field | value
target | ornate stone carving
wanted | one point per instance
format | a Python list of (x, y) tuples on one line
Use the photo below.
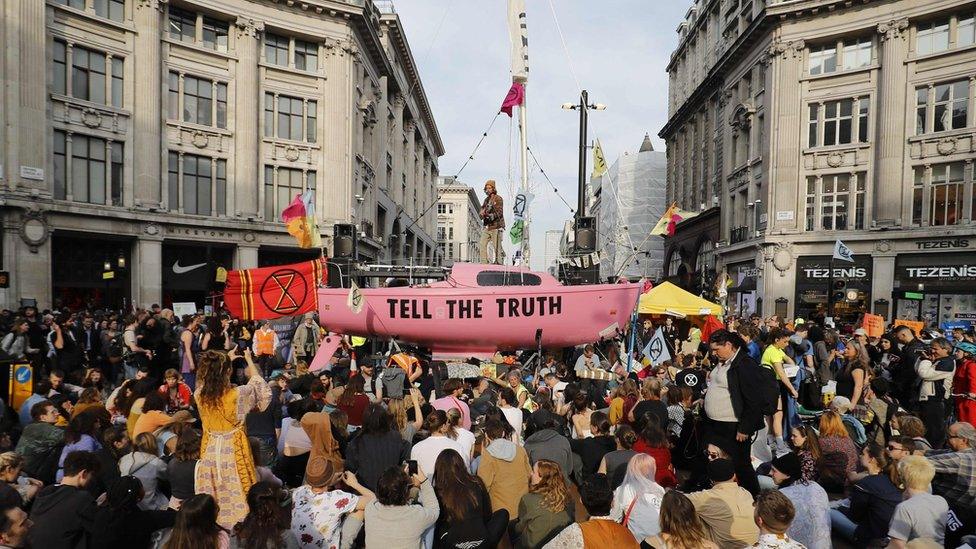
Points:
[(398, 101), (792, 48), (946, 146), (91, 118), (200, 139), (291, 153), (151, 229), (835, 159), (247, 26), (153, 4), (741, 117), (34, 230), (896, 28), (249, 237), (410, 126), (782, 257), (882, 246)]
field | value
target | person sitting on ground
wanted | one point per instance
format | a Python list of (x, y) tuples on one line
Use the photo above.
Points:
[(774, 514), (954, 478), (453, 389), (196, 526), (504, 468), (680, 526), (323, 515), (63, 514), (911, 426), (15, 527), (391, 520), (726, 508), (649, 402), (121, 524), (806, 446), (144, 463), (839, 453), (921, 514), (80, 436), (466, 519), (653, 441), (811, 526), (177, 392), (181, 467), (601, 530), (546, 509), (614, 464), (376, 448), (855, 429), (268, 520), (872, 501), (426, 451), (592, 448), (637, 502), (548, 443), (625, 396), (41, 441), (11, 464)]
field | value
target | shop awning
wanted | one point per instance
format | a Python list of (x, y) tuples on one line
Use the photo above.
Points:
[(748, 284), (666, 298)]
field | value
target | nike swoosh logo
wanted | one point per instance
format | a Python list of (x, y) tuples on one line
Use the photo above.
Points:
[(178, 269)]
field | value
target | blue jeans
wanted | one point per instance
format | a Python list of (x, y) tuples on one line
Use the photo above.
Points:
[(842, 525)]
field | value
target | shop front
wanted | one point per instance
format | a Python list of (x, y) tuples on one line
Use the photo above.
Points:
[(935, 287), (190, 269), (743, 297), (90, 272), (847, 287)]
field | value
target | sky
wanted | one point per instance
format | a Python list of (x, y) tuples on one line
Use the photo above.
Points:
[(617, 50)]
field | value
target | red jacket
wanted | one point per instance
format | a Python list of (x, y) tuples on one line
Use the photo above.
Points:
[(964, 381), (182, 399), (665, 472)]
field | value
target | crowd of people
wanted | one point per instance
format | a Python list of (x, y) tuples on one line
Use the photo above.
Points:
[(147, 430)]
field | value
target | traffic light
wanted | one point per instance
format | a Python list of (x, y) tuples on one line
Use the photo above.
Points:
[(839, 290)]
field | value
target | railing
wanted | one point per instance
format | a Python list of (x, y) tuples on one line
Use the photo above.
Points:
[(738, 234)]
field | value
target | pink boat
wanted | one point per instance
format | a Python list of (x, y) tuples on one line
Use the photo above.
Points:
[(479, 309)]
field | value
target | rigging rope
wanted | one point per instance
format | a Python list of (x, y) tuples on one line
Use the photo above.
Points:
[(569, 58)]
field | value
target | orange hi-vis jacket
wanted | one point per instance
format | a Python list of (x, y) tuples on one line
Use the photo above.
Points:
[(264, 342)]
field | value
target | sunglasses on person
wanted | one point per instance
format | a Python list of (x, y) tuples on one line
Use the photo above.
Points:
[(894, 449)]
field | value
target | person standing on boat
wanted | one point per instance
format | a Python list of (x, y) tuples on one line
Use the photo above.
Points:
[(493, 216)]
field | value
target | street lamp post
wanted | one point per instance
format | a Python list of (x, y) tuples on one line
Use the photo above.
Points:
[(583, 107)]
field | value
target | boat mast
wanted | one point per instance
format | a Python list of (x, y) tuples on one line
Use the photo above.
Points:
[(518, 34)]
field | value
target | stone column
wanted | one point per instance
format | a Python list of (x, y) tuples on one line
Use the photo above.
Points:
[(147, 119), (147, 282), (883, 275), (891, 208), (26, 52), (247, 184), (786, 62), (247, 257)]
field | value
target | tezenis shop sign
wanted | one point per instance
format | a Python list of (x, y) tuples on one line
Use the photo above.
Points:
[(941, 270)]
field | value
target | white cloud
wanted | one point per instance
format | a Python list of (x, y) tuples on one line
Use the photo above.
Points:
[(619, 52)]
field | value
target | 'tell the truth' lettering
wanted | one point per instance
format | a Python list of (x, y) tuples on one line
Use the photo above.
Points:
[(513, 307)]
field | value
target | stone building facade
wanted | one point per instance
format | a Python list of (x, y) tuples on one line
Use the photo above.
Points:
[(809, 122), (168, 134), (459, 224)]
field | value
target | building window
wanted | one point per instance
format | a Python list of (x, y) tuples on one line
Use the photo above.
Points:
[(829, 202), (849, 54), (966, 31), (276, 49), (823, 59), (932, 37), (840, 124), (183, 27), (281, 185), (109, 9), (204, 101), (306, 56), (706, 256), (674, 264), (88, 77), (91, 173), (945, 104), (197, 184), (296, 118), (937, 197)]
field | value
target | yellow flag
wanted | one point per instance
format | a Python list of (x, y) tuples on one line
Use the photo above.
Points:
[(599, 161)]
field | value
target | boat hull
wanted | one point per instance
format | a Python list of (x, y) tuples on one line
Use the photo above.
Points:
[(473, 321)]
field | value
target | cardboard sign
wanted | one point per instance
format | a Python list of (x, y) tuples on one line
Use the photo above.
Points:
[(873, 325), (182, 308), (916, 325)]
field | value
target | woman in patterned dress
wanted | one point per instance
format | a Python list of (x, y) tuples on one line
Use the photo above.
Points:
[(226, 469)]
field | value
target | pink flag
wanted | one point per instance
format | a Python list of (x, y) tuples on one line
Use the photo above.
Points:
[(323, 356), (515, 97)]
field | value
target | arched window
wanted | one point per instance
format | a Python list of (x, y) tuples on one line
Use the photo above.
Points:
[(674, 263), (706, 256)]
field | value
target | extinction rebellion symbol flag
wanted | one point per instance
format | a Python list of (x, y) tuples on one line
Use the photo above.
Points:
[(656, 349), (273, 292)]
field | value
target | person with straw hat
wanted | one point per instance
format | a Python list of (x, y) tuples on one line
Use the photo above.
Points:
[(323, 515)]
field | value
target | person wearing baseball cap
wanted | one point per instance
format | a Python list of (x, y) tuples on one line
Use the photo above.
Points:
[(726, 509)]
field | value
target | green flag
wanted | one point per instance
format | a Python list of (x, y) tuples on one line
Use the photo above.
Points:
[(516, 231)]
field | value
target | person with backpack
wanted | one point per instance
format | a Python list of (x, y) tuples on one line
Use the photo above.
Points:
[(739, 396)]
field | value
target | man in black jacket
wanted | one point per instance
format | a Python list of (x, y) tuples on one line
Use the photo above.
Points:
[(734, 403), (905, 378), (63, 513)]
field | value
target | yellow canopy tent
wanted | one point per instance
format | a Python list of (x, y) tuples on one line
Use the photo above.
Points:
[(666, 298)]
